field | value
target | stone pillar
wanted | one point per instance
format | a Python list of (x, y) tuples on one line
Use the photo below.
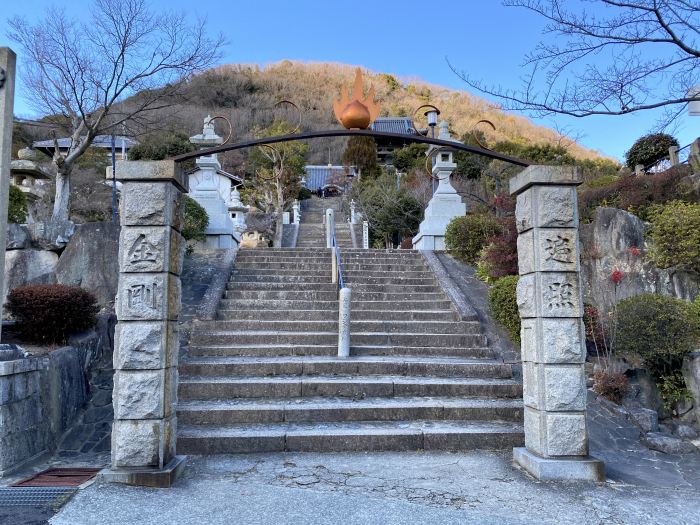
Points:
[(353, 212), (550, 302), (673, 155), (7, 97), (296, 209), (365, 235), (151, 250)]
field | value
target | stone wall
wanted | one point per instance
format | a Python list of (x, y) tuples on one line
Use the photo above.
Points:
[(42, 396)]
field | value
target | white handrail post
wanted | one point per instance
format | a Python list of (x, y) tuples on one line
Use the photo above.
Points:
[(344, 298), (334, 266), (329, 228)]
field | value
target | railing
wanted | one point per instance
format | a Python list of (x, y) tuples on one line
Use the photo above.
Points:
[(676, 156), (344, 293)]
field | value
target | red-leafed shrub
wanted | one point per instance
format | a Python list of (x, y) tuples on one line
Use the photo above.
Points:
[(611, 385), (407, 243), (51, 312), (500, 256)]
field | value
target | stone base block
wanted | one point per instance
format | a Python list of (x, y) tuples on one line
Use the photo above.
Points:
[(572, 468), (148, 477)]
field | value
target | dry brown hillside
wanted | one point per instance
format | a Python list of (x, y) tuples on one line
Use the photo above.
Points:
[(246, 93)]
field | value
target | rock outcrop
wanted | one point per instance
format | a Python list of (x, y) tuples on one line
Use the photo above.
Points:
[(90, 260), (615, 241), (24, 267)]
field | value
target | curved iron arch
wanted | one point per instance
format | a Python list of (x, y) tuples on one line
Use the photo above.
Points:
[(352, 133)]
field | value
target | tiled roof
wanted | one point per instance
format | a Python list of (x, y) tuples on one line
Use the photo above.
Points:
[(100, 141), (318, 176), (402, 125)]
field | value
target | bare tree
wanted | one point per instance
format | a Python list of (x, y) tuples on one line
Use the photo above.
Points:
[(623, 56), (81, 73)]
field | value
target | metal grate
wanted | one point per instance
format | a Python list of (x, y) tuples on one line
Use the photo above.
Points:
[(34, 496), (59, 477)]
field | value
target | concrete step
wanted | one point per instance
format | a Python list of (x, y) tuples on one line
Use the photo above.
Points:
[(274, 315), (316, 266), (354, 386), (286, 349), (359, 365), (288, 295), (349, 436), (324, 409), (277, 304), (355, 275), (394, 305), (406, 296), (301, 280), (250, 337), (258, 285), (320, 315), (331, 325), (263, 350), (244, 337), (236, 272)]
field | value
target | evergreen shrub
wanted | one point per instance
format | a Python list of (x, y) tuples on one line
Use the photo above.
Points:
[(504, 306), (17, 206), (675, 235), (466, 236)]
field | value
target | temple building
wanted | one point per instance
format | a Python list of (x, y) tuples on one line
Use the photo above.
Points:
[(386, 147)]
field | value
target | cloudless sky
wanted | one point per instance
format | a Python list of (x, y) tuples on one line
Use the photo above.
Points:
[(407, 38)]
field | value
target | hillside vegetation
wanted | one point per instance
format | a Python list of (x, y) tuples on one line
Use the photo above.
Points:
[(246, 95)]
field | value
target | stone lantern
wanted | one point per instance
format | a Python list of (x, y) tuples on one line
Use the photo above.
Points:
[(446, 203), (238, 213), (28, 175)]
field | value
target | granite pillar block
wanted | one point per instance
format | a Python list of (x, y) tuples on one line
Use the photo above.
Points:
[(550, 304)]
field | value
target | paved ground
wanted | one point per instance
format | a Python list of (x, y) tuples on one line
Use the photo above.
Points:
[(386, 488)]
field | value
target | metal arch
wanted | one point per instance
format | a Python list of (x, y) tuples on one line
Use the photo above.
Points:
[(299, 114), (476, 137), (352, 133), (230, 127), (413, 117)]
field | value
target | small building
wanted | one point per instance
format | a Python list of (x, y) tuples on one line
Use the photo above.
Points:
[(386, 147), (122, 145), (328, 177)]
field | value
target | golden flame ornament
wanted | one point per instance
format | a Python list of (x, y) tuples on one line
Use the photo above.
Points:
[(356, 112)]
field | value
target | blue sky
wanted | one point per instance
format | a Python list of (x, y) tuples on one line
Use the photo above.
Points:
[(407, 38)]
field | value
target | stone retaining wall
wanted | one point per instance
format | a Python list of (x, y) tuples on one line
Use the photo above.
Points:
[(41, 397)]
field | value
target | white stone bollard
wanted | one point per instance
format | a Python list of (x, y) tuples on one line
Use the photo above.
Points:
[(344, 299), (550, 303), (330, 226), (365, 235)]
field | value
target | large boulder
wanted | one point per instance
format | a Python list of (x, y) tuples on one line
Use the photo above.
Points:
[(52, 235), (17, 237), (615, 241), (24, 267), (91, 260)]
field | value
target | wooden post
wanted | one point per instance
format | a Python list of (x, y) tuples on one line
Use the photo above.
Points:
[(7, 99)]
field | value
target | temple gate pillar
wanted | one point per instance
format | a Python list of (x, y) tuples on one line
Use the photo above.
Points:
[(550, 303), (151, 251)]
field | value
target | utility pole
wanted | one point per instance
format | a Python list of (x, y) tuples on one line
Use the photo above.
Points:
[(8, 60)]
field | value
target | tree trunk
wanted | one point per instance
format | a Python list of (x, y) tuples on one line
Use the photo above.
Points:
[(279, 230), (61, 203), (279, 213)]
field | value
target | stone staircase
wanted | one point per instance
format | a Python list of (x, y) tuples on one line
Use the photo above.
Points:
[(264, 376), (312, 231)]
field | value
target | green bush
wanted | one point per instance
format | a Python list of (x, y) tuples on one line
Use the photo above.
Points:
[(49, 313), (656, 329), (675, 235), (196, 221), (304, 193), (504, 306), (649, 149), (17, 206), (466, 236), (161, 145)]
